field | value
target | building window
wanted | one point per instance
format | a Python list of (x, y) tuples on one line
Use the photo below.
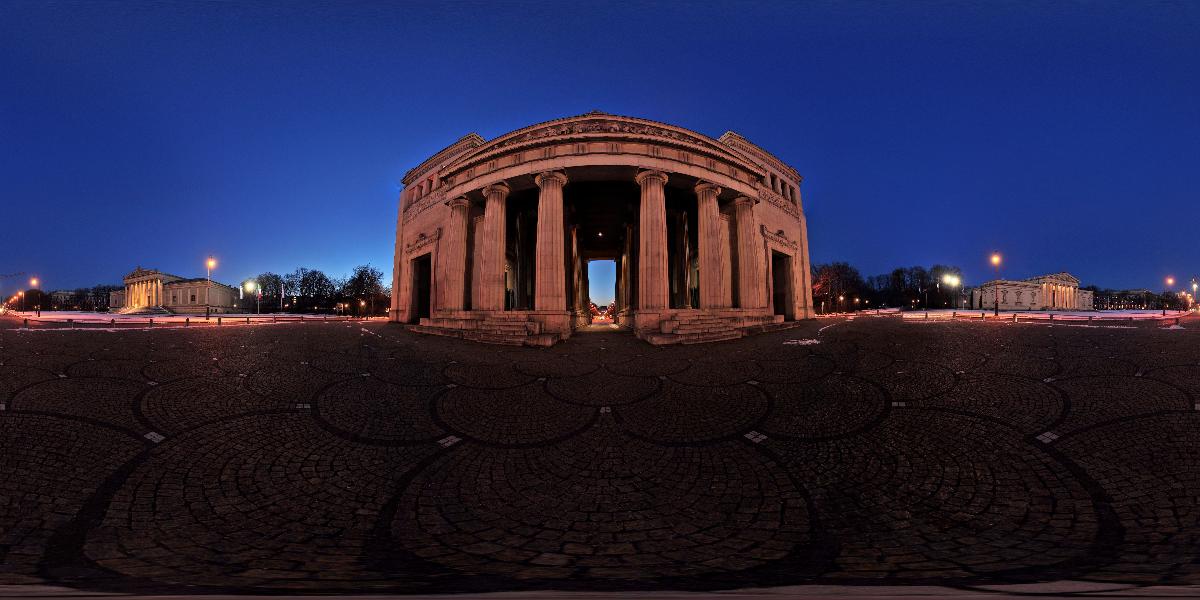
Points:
[(193, 298)]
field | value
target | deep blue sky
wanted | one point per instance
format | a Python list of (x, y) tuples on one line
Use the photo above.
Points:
[(274, 135)]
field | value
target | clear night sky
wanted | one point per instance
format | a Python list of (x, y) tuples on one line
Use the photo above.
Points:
[(274, 135)]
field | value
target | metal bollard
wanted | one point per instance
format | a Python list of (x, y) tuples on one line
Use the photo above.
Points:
[(218, 321), (152, 321), (274, 319), (247, 320), (26, 325), (112, 322), (187, 321), (71, 323)]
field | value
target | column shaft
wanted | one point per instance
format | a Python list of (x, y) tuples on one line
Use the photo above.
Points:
[(454, 282), (550, 282), (652, 242), (750, 268), (709, 245), (495, 247)]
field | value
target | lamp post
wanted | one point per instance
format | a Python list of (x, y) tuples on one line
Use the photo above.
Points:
[(951, 280), (1195, 285), (250, 286), (33, 283), (211, 263), (996, 286), (22, 295), (1170, 288)]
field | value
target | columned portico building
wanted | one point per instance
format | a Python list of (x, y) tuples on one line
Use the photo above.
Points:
[(1059, 291), (708, 236), (152, 291)]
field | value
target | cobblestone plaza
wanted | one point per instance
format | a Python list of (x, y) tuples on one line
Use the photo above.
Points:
[(359, 457)]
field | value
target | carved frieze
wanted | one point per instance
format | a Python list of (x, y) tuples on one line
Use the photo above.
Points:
[(415, 208), (778, 201), (423, 240), (600, 126), (778, 237)]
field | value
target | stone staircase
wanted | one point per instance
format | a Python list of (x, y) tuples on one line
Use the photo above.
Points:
[(701, 328), (508, 330)]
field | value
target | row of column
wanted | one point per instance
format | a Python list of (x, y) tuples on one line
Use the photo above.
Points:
[(144, 293), (550, 276), (1061, 296)]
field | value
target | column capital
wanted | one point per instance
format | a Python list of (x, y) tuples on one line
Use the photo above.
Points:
[(496, 188), (743, 201), (458, 202), (651, 174), (706, 186), (545, 176)]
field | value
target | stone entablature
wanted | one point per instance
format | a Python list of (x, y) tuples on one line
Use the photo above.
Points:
[(507, 226), (1057, 291)]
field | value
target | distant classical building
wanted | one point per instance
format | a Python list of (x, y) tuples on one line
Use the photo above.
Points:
[(1059, 291), (708, 235), (1128, 299), (149, 290), (62, 298)]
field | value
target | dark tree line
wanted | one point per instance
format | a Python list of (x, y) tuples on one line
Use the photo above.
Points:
[(839, 287), (311, 290)]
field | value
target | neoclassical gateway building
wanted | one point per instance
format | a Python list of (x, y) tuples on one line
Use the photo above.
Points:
[(707, 235), (1057, 291)]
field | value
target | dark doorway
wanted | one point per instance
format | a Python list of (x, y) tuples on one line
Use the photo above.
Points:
[(781, 285), (422, 286)]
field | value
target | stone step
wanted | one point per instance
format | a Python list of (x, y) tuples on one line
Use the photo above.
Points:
[(711, 337), (495, 338), (703, 328)]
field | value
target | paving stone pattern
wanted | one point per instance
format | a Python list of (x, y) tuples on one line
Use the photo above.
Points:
[(355, 457)]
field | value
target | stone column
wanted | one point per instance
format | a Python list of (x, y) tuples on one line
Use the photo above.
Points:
[(726, 235), (709, 245), (750, 268), (652, 242), (491, 297), (550, 281), (454, 284)]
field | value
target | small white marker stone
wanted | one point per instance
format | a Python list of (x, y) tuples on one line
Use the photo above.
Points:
[(155, 437), (151, 383), (1047, 437), (753, 382), (4, 406), (608, 409), (449, 440), (899, 404), (304, 406), (755, 437)]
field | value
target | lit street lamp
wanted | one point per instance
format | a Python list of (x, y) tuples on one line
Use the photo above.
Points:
[(1170, 288), (211, 263), (996, 286), (250, 287)]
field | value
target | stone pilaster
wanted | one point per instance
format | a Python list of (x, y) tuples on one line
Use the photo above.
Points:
[(491, 295), (454, 284), (750, 268), (652, 242), (550, 277), (709, 245)]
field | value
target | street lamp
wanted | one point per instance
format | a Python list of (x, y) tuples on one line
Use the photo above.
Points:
[(996, 286), (211, 263), (1170, 288), (1194, 290), (840, 299), (250, 286)]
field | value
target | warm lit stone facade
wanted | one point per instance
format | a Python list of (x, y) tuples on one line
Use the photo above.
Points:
[(149, 290), (708, 236), (1059, 291)]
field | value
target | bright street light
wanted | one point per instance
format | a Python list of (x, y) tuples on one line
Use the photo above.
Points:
[(33, 283)]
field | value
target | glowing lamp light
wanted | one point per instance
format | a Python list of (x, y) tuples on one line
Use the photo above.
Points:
[(996, 259), (249, 286), (1170, 281), (33, 282)]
